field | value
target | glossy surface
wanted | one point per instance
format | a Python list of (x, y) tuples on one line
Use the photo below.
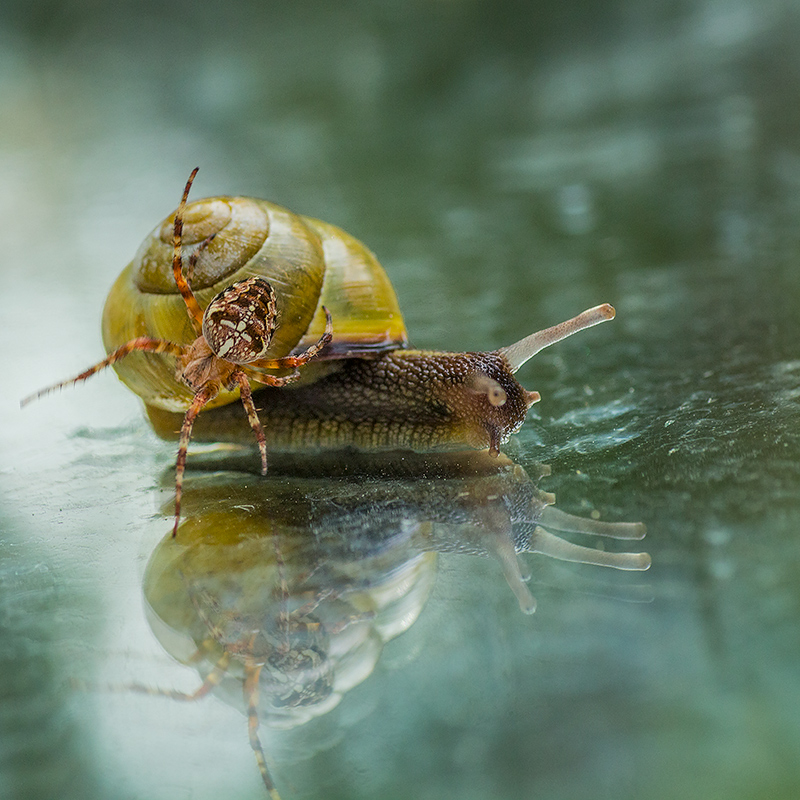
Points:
[(510, 167)]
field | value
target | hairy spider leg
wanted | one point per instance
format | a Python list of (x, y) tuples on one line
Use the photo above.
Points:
[(192, 306), (260, 375), (283, 614), (142, 343), (212, 680), (252, 417), (295, 362), (203, 396)]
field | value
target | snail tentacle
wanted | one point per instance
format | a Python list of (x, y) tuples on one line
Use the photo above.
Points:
[(523, 350), (561, 521), (547, 543)]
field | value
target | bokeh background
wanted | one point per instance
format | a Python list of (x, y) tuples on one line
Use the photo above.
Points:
[(510, 163)]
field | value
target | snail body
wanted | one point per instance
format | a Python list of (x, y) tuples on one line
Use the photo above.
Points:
[(411, 399), (366, 388)]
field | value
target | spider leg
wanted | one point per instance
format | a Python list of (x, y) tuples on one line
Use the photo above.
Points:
[(283, 616), (212, 679), (262, 376), (252, 417), (203, 396), (144, 343), (250, 689), (195, 312), (288, 362)]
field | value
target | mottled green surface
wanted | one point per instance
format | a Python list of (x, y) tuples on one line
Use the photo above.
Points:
[(510, 164)]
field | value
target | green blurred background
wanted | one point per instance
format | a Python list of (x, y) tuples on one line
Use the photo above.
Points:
[(510, 163)]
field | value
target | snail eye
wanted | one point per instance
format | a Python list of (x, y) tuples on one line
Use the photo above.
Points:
[(496, 395), (239, 322), (481, 383)]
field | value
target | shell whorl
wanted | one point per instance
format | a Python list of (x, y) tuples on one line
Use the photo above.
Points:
[(239, 228), (252, 238)]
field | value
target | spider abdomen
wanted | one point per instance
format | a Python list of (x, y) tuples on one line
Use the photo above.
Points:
[(239, 322)]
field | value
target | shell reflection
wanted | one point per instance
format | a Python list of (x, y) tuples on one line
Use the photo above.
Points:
[(238, 593), (281, 592)]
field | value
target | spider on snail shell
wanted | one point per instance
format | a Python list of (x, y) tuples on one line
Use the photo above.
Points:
[(232, 336)]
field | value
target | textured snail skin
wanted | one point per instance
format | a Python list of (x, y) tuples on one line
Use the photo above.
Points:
[(410, 399)]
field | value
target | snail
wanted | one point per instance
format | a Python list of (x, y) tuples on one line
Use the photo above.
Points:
[(268, 297)]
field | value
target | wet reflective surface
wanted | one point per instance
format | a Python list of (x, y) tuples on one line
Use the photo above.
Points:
[(509, 168)]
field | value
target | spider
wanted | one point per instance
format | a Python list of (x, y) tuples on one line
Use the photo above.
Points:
[(233, 334)]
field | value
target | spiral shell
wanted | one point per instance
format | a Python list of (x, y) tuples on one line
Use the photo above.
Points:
[(308, 263)]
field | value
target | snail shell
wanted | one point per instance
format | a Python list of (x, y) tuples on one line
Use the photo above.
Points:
[(308, 263)]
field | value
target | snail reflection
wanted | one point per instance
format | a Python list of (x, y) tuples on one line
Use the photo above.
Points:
[(282, 592)]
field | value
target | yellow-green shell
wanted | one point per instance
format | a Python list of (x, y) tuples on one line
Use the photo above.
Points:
[(309, 264)]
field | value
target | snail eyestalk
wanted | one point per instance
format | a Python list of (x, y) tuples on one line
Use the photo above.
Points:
[(518, 353), (548, 544)]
